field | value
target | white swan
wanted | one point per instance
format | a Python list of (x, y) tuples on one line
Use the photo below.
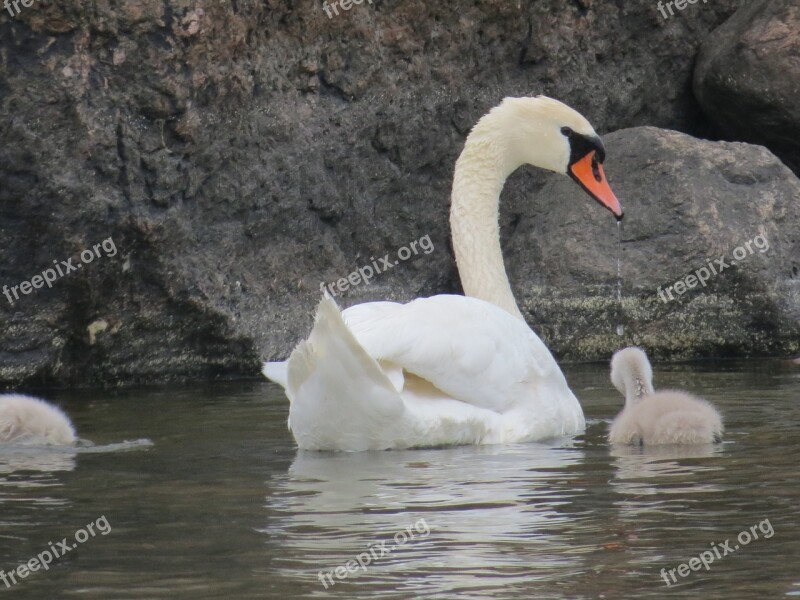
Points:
[(653, 418), (24, 419), (450, 369)]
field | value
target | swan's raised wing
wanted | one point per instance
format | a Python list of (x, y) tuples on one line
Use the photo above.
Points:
[(467, 348)]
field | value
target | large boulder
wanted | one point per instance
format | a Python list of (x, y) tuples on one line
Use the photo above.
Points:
[(238, 154), (721, 212), (747, 77)]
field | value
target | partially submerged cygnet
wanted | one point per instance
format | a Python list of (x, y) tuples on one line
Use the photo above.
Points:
[(657, 418), (25, 419)]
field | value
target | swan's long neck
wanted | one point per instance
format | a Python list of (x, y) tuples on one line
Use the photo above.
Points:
[(480, 174)]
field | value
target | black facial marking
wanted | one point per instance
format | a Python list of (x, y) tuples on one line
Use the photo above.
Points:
[(580, 145)]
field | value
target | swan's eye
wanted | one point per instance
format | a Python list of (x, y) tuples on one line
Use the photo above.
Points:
[(566, 131)]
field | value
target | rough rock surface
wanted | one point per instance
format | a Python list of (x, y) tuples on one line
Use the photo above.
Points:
[(688, 202), (747, 77), (238, 154)]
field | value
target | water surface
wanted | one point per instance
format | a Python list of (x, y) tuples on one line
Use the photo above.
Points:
[(223, 505)]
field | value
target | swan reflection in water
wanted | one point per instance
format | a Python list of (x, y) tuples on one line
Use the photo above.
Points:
[(30, 465), (498, 515), (646, 474), (30, 473), (45, 458), (15, 458)]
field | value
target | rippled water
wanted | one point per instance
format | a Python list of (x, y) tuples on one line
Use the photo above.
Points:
[(223, 506)]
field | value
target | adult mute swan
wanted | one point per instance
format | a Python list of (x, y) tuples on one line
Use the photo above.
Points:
[(24, 419), (653, 418), (450, 369)]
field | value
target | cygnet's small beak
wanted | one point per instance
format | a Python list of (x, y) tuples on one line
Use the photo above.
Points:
[(588, 173)]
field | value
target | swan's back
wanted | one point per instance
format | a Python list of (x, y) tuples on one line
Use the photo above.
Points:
[(657, 418), (31, 420)]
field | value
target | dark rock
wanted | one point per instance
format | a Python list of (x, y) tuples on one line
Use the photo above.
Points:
[(747, 77), (688, 202), (239, 154)]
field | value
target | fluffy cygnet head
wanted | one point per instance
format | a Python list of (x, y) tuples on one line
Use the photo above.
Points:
[(632, 374)]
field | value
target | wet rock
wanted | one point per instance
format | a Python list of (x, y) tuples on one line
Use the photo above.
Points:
[(239, 154), (747, 77), (726, 213)]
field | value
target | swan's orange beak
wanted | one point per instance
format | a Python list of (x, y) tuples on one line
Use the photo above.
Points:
[(588, 172)]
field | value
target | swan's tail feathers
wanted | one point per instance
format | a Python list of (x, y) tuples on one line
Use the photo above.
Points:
[(341, 398), (277, 372)]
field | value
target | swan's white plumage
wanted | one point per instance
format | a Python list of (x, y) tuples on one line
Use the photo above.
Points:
[(466, 347), (468, 373), (24, 419), (446, 369), (277, 372)]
